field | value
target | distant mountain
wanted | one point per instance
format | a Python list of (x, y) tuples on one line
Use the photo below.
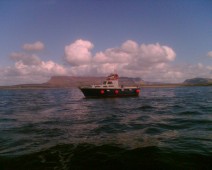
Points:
[(69, 81), (198, 81)]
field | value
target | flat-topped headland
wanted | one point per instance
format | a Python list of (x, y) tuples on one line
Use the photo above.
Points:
[(76, 81)]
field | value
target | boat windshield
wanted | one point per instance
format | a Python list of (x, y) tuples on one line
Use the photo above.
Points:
[(107, 82)]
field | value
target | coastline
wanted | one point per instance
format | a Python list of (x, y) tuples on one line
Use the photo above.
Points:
[(58, 82), (173, 85), (40, 86)]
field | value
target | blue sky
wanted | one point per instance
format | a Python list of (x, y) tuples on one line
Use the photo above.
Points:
[(163, 40)]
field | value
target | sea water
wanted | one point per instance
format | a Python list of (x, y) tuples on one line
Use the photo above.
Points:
[(163, 128)]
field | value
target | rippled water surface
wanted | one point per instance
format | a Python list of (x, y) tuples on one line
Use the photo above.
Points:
[(59, 129)]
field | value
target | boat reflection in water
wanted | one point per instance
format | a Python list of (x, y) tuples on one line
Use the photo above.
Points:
[(109, 88)]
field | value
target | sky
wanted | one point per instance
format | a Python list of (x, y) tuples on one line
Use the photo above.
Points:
[(157, 40)]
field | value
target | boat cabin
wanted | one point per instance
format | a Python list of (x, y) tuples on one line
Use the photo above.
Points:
[(110, 82)]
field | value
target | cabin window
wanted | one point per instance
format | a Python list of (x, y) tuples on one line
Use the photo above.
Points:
[(104, 82), (109, 82)]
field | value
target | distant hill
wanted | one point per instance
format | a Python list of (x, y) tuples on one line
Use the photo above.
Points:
[(198, 81), (69, 81)]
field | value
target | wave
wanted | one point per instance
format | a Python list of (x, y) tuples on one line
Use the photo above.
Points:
[(89, 156)]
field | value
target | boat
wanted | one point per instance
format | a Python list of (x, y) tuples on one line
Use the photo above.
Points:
[(109, 88)]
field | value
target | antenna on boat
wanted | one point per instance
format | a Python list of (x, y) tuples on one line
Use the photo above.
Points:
[(114, 70)]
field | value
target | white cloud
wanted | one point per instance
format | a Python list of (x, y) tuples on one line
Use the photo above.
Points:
[(152, 62), (209, 54), (48, 68), (130, 46), (78, 53), (133, 57), (29, 68), (26, 59), (37, 46)]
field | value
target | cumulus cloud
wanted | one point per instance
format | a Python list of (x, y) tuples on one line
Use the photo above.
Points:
[(26, 59), (150, 55), (209, 54), (129, 55), (47, 68), (78, 53), (134, 56), (36, 46), (152, 62), (29, 68), (21, 73), (130, 58)]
